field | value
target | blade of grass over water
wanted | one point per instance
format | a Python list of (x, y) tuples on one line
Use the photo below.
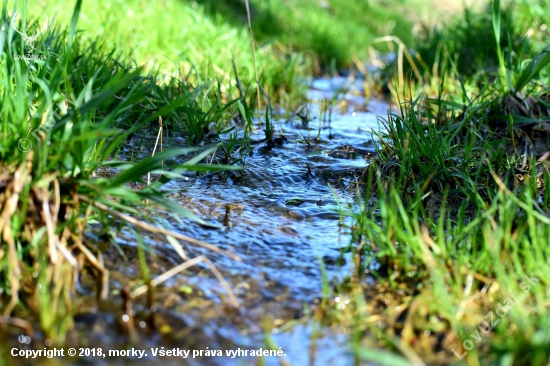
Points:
[(62, 115)]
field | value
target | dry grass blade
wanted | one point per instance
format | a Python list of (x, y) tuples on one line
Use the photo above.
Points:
[(222, 281), (50, 228), (177, 247), (19, 323), (166, 275), (517, 201), (402, 50), (16, 185), (174, 271), (544, 157), (14, 270), (159, 137), (67, 255), (99, 266), (104, 279), (157, 230), (409, 353), (57, 200)]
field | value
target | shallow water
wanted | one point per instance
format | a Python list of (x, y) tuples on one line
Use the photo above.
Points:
[(281, 217)]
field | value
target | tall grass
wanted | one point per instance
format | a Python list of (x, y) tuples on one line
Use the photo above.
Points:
[(462, 267), (454, 223), (455, 229), (66, 108)]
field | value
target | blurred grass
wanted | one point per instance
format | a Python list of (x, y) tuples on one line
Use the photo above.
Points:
[(463, 42), (178, 37), (332, 31), (202, 37), (469, 38)]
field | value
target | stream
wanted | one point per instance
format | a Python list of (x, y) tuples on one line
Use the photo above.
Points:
[(280, 216)]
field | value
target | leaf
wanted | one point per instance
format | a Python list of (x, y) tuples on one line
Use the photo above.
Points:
[(126, 165), (174, 208), (177, 246), (74, 21), (524, 120), (197, 159), (166, 110), (496, 19), (118, 206), (452, 105), (533, 68), (138, 170), (119, 82)]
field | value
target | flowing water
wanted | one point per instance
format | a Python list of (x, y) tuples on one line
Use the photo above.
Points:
[(280, 216)]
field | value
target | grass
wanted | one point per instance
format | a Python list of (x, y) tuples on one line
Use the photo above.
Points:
[(66, 110), (454, 219), (73, 96), (332, 33), (460, 268), (470, 39), (201, 38), (465, 47), (454, 223), (179, 38)]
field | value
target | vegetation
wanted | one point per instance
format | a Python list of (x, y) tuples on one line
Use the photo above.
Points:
[(179, 39), (65, 112), (332, 33), (454, 223), (453, 219)]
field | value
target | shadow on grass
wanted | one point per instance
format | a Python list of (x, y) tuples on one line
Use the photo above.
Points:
[(332, 32)]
